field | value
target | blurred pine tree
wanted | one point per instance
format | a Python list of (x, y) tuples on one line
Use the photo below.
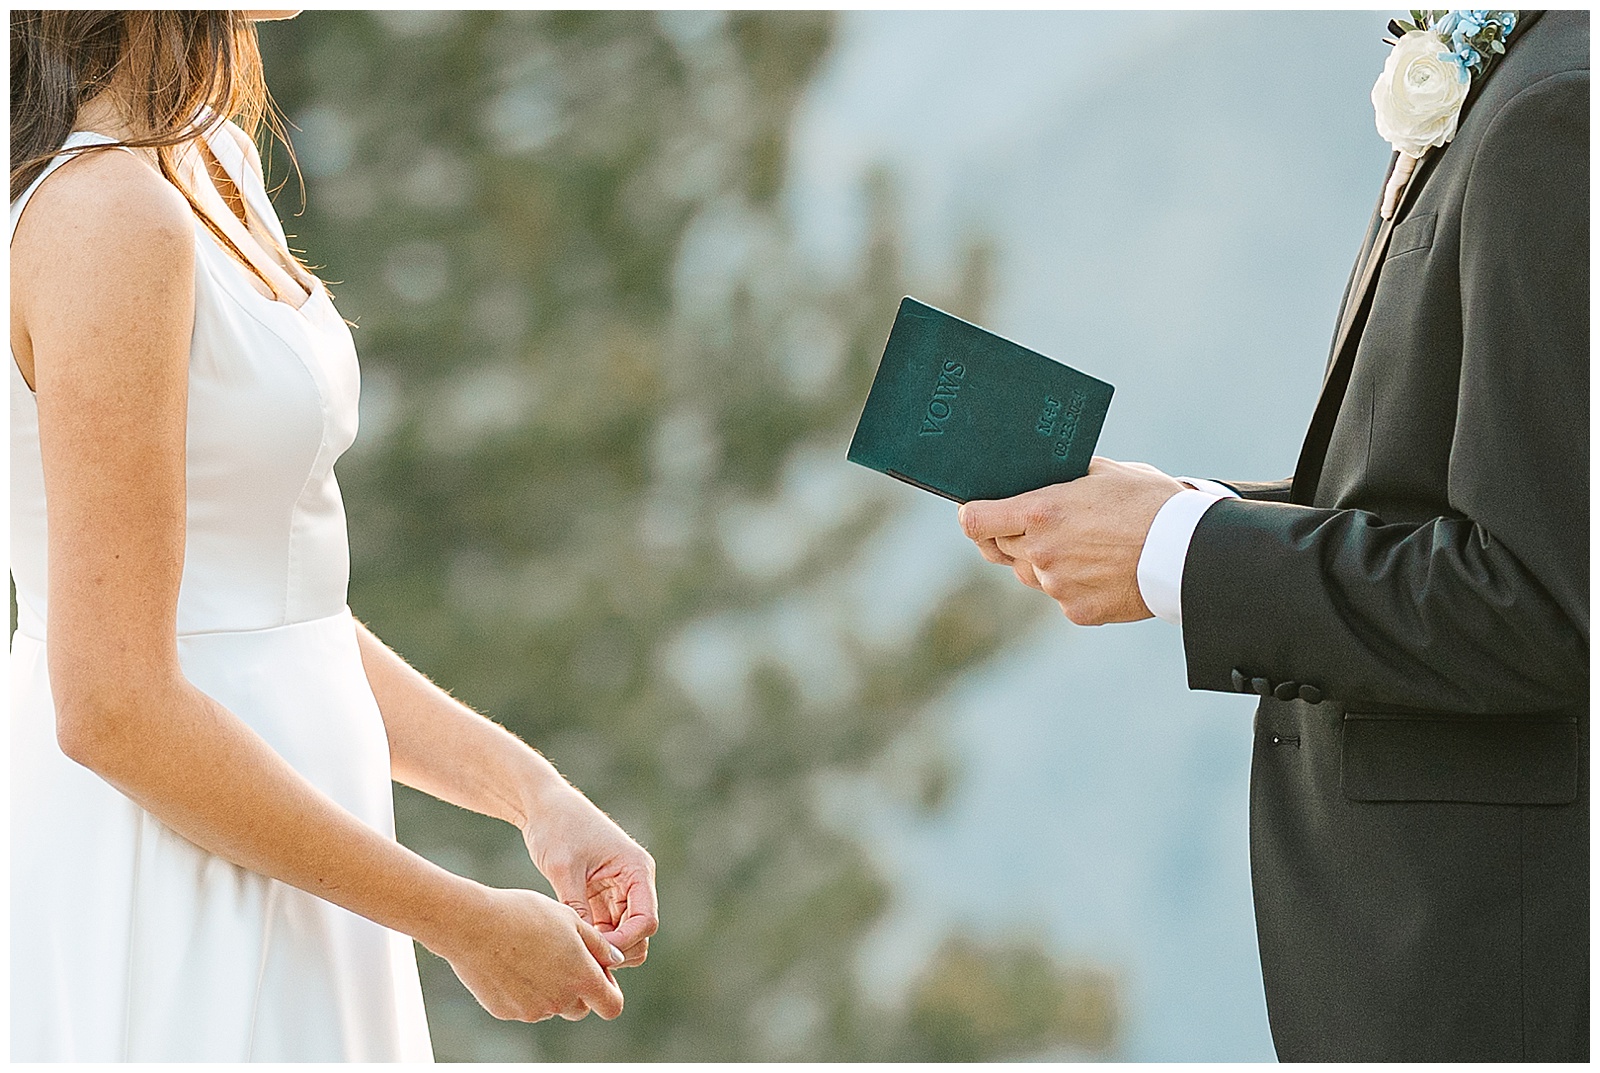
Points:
[(600, 492)]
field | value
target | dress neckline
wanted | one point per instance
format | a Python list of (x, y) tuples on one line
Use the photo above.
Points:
[(202, 232), (230, 153)]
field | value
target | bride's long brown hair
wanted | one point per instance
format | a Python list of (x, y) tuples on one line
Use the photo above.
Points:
[(181, 68)]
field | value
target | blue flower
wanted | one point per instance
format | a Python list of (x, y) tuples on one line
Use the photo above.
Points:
[(1464, 60), (1459, 28)]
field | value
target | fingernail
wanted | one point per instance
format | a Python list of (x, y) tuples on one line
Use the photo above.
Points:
[(617, 956)]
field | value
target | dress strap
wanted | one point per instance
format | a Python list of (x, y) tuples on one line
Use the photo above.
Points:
[(78, 139), (227, 141)]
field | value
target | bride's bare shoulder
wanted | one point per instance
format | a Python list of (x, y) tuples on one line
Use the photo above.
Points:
[(104, 240), (105, 202)]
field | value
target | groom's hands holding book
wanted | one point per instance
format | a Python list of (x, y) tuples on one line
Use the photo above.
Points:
[(1078, 542), (1009, 433)]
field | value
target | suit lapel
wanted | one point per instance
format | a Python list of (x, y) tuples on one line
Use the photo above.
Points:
[(1341, 361), (1352, 284), (1357, 303)]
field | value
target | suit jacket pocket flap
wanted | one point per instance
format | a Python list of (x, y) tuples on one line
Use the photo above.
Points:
[(1509, 760), (1413, 234)]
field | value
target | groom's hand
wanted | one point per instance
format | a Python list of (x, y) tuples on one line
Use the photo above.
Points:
[(1078, 542)]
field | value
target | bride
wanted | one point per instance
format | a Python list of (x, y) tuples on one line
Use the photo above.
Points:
[(202, 741)]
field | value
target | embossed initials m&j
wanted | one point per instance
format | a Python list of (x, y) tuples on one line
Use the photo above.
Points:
[(1069, 421)]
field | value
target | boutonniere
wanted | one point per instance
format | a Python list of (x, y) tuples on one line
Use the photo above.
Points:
[(1425, 80)]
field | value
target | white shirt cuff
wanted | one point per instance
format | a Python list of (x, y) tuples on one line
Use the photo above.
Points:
[(1216, 488), (1166, 546)]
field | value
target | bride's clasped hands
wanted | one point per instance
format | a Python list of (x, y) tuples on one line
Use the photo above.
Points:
[(597, 871), (526, 957)]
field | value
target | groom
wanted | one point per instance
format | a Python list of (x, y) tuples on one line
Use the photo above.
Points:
[(1413, 606)]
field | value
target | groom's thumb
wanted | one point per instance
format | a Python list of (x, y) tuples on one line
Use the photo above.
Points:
[(985, 519)]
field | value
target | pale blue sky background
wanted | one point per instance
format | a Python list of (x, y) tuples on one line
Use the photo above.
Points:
[(1176, 199)]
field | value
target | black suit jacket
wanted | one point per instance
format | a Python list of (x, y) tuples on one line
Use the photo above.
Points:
[(1414, 609)]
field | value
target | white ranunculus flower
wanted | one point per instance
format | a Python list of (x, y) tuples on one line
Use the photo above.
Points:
[(1419, 95)]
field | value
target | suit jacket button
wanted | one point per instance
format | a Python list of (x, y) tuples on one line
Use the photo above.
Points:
[(1262, 686), (1241, 684), (1287, 690), (1311, 694)]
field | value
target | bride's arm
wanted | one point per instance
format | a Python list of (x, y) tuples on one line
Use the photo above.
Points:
[(444, 748), (102, 313), (440, 746)]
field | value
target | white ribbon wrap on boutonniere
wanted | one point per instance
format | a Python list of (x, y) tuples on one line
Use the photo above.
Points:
[(1425, 81)]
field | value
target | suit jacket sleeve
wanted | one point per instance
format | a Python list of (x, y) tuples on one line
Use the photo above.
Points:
[(1485, 609)]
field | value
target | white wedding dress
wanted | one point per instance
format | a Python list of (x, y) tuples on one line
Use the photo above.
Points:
[(128, 942)]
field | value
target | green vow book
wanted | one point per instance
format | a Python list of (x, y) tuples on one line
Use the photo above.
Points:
[(965, 414)]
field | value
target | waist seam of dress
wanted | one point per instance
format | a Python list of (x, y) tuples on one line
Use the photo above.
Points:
[(184, 634)]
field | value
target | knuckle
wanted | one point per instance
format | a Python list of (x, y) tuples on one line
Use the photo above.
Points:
[(1041, 514)]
